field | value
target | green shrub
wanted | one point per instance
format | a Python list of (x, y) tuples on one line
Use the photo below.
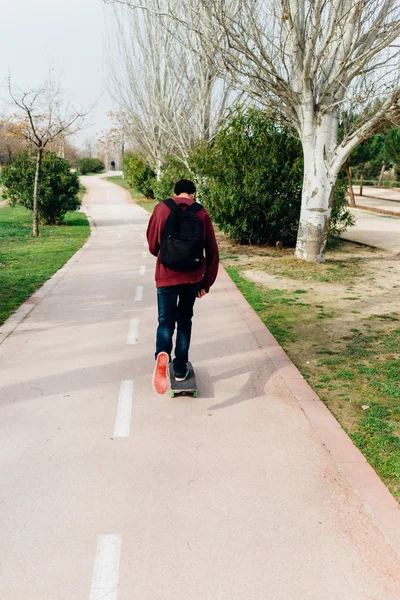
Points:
[(172, 170), (58, 187), (138, 174), (89, 165), (341, 217), (251, 180)]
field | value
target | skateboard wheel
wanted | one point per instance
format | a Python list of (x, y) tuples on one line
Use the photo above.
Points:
[(172, 394), (195, 394)]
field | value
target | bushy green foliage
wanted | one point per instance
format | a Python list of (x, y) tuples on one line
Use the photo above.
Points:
[(89, 165), (251, 180), (341, 217), (362, 154), (373, 169), (58, 187), (392, 146), (172, 170), (138, 174), (378, 155)]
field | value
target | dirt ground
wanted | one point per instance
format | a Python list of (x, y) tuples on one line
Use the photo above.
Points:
[(369, 282)]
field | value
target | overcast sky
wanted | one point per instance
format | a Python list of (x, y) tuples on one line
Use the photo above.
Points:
[(68, 36)]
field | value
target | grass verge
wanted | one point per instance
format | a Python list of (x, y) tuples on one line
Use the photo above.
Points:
[(351, 359), (90, 174), (146, 203), (27, 262)]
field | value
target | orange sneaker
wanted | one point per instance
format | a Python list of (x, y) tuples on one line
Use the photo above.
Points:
[(160, 380)]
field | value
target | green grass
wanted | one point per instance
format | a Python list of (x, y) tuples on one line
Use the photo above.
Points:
[(120, 181), (278, 309), (27, 262), (349, 372), (146, 203), (371, 361), (89, 174)]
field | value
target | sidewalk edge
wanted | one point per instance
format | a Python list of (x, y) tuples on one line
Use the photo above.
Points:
[(378, 211), (26, 308), (375, 496), (379, 197)]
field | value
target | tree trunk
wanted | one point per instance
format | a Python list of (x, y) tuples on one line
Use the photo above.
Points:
[(206, 133), (158, 167), (62, 147), (318, 188), (351, 191), (383, 169), (362, 178), (36, 193)]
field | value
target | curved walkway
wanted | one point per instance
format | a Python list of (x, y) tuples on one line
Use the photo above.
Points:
[(111, 492), (379, 231)]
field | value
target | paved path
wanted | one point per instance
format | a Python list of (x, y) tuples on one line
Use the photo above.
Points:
[(110, 492), (379, 231), (392, 194), (377, 205)]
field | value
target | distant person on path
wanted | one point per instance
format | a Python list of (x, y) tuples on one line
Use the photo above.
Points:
[(113, 165), (180, 234)]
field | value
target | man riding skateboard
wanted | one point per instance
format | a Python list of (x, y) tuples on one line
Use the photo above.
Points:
[(180, 234)]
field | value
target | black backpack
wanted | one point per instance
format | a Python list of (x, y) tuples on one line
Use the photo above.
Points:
[(182, 241)]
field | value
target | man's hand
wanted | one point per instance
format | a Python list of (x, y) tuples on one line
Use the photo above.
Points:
[(201, 293)]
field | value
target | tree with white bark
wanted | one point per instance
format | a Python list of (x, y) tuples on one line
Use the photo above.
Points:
[(165, 81), (111, 141), (313, 63), (44, 118)]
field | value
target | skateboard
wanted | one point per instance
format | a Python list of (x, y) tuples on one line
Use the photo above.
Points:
[(183, 388)]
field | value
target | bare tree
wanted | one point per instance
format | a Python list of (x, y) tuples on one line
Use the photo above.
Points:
[(12, 142), (88, 146), (166, 83), (43, 118), (111, 142), (314, 64), (140, 81)]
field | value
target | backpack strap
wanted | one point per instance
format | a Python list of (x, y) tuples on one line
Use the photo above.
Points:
[(173, 207), (195, 207)]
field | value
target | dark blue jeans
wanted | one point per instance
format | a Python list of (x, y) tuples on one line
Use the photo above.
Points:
[(175, 306)]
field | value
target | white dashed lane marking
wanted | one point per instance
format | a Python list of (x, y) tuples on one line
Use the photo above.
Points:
[(124, 413), (106, 568), (133, 331), (142, 270), (139, 293)]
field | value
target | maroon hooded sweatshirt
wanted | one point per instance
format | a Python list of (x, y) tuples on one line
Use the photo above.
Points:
[(208, 270)]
